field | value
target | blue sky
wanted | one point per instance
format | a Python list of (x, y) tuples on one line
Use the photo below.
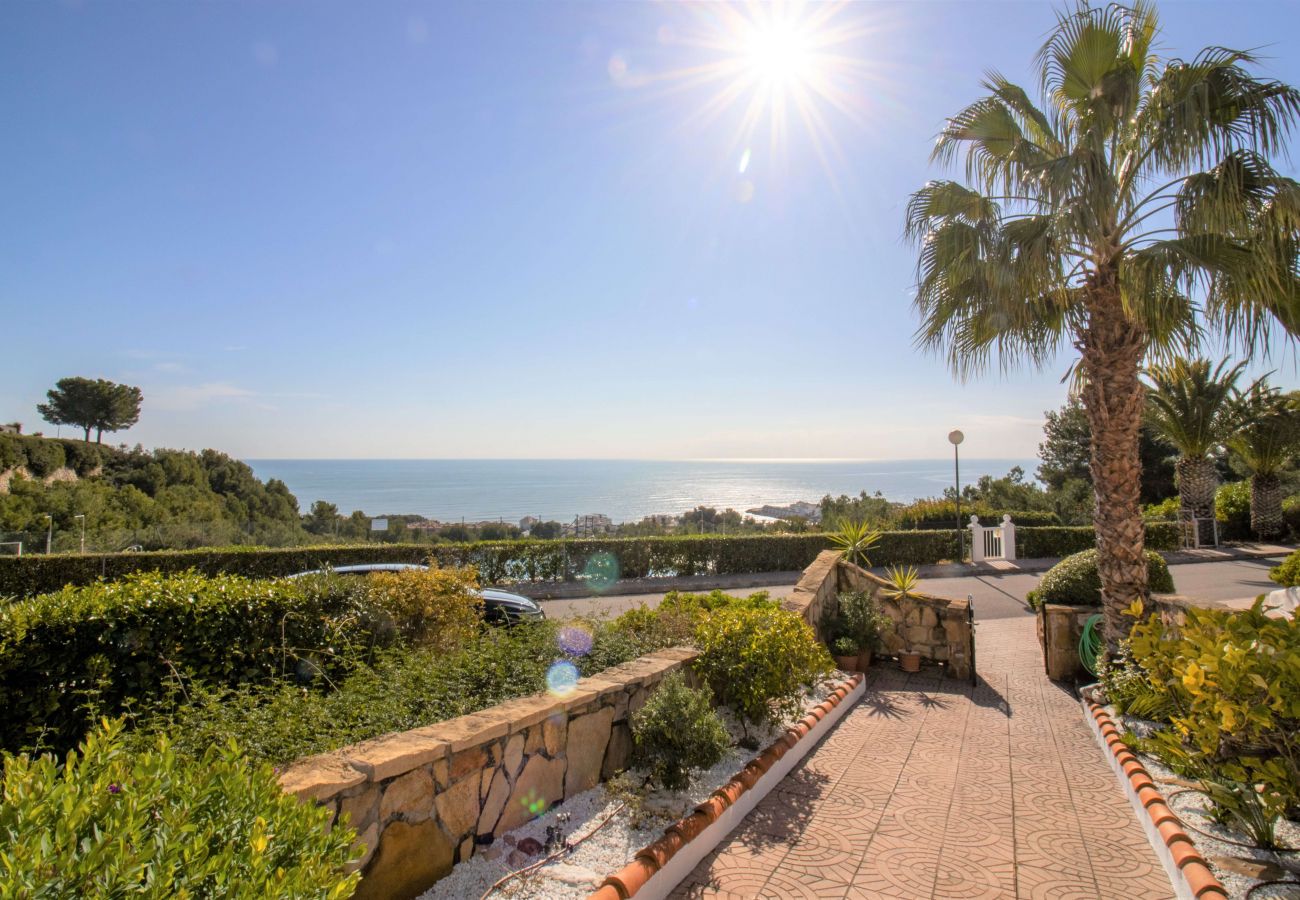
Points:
[(497, 229)]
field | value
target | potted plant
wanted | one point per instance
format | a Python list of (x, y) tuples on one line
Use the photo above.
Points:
[(902, 589), (866, 623), (845, 650)]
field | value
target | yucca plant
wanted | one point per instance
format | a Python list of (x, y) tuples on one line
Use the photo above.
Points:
[(855, 540), (902, 582), (1267, 442), (1195, 408), (1129, 209)]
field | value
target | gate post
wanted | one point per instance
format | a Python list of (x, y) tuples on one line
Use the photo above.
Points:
[(1008, 537), (976, 540)]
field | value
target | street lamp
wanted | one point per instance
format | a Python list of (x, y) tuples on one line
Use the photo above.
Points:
[(49, 535), (82, 517), (955, 438)]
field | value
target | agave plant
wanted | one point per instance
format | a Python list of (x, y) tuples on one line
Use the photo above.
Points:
[(1267, 442), (855, 540), (902, 582)]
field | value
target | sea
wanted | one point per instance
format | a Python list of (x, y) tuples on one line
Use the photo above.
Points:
[(477, 490)]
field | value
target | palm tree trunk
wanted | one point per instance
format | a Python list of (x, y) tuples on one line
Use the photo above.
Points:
[(1197, 480), (1111, 348), (1266, 506)]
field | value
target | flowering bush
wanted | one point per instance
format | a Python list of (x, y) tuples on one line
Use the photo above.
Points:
[(159, 824)]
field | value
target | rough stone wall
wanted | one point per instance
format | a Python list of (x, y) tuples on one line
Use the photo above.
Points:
[(426, 799), (1060, 627), (937, 628)]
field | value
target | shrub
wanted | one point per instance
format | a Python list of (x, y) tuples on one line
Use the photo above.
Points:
[(1291, 515), (1232, 510), (758, 660), (677, 730), (157, 823), (1288, 573), (438, 608), (1233, 679), (43, 457), (11, 452), (844, 646), (75, 654), (1164, 511), (862, 620), (81, 457), (855, 541), (1074, 581)]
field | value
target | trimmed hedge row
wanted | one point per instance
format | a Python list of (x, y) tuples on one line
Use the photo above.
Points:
[(69, 656), (526, 561)]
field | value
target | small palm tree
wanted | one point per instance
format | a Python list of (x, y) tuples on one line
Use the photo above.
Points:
[(1194, 408), (1131, 208), (1267, 443), (855, 540)]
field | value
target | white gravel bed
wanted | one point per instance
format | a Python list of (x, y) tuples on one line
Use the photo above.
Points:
[(1214, 840), (613, 846)]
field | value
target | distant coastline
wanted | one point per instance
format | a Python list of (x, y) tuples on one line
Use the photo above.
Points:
[(624, 490)]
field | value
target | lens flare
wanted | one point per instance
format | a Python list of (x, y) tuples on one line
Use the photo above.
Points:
[(574, 640), (744, 161), (533, 802), (562, 678), (601, 571)]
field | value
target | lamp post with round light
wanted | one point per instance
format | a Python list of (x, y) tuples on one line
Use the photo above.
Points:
[(955, 438)]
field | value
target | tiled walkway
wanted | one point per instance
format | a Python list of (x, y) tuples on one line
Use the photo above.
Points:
[(934, 789)]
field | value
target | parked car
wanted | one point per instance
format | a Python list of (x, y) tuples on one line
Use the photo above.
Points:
[(499, 607)]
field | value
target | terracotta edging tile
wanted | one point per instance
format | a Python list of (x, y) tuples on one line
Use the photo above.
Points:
[(1192, 867), (650, 859)]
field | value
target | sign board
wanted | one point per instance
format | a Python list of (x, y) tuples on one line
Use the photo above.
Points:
[(378, 524)]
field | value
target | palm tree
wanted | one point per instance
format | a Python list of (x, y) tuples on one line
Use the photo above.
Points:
[(1195, 408), (1267, 443), (1134, 207)]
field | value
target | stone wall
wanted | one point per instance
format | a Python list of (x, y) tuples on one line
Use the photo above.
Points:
[(426, 799), (1060, 627), (937, 628)]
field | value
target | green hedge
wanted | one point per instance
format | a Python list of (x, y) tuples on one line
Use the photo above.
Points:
[(69, 656), (525, 561)]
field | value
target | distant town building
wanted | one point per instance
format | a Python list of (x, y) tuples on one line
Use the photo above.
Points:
[(665, 520), (527, 523), (589, 525), (11, 428)]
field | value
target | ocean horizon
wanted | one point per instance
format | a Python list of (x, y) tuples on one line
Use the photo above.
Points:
[(625, 490)]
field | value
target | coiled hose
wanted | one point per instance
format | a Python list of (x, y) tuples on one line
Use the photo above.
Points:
[(1091, 643)]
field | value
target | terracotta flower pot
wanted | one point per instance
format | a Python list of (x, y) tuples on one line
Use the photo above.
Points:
[(910, 661), (847, 663), (864, 660)]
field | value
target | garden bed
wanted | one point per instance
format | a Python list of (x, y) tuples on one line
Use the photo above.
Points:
[(1184, 835), (607, 826)]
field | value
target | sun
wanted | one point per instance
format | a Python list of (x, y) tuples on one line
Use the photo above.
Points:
[(779, 55), (770, 68)]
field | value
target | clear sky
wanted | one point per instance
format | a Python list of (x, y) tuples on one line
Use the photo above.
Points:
[(498, 229)]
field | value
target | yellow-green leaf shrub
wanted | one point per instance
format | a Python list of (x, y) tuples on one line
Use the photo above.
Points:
[(1233, 681), (1075, 581), (1288, 573), (108, 824), (758, 660), (437, 608)]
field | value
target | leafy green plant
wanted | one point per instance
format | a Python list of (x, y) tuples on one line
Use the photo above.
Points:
[(844, 646), (864, 620), (1255, 810), (1129, 688), (854, 541), (1074, 581), (758, 661), (1232, 509), (677, 730), (161, 824), (437, 607), (1233, 682), (1288, 573)]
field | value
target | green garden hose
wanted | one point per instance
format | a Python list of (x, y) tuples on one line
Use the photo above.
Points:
[(1091, 644)]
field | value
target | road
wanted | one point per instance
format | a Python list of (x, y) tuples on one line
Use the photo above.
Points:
[(994, 596)]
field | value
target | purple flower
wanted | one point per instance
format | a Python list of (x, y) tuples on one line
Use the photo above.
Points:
[(115, 788)]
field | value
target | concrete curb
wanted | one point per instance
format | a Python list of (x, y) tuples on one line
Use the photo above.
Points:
[(660, 867), (1188, 871)]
